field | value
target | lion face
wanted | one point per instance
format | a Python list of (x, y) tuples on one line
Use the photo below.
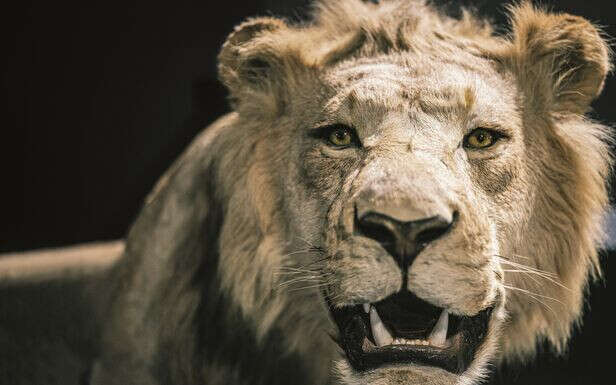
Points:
[(425, 186), (400, 164)]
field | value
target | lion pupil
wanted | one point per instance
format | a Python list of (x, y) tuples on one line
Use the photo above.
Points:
[(341, 136)]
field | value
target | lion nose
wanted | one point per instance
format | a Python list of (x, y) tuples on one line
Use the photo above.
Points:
[(403, 240)]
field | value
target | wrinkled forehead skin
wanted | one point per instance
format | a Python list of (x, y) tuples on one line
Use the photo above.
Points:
[(424, 103)]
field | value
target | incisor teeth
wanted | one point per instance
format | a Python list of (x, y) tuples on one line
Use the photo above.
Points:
[(438, 336), (382, 336), (367, 308), (404, 341)]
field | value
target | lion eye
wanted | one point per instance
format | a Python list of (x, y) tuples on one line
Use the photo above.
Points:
[(339, 135), (480, 138)]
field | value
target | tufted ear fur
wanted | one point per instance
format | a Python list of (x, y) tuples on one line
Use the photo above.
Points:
[(561, 60), (254, 59)]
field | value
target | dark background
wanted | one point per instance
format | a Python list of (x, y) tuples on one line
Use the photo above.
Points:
[(98, 98)]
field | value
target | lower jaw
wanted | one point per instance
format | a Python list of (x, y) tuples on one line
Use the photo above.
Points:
[(408, 374)]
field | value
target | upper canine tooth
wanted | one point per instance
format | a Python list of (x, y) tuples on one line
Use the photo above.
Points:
[(439, 333), (367, 308), (382, 336)]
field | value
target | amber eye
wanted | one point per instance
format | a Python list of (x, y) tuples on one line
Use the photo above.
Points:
[(480, 138), (341, 136)]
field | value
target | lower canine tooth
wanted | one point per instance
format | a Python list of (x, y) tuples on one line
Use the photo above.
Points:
[(382, 336), (439, 333)]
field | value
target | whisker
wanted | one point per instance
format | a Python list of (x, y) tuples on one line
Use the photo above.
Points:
[(530, 275), (317, 261), (534, 297), (548, 307), (302, 274), (547, 275), (309, 250), (307, 287), (299, 274), (306, 251), (533, 293), (291, 282), (535, 280), (295, 274), (522, 266), (530, 269)]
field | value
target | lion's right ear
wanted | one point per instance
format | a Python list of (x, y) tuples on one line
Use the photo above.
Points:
[(252, 58)]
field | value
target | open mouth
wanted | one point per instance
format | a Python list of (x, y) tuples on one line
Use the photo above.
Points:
[(403, 328)]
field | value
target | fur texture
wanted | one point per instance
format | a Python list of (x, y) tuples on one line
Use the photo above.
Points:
[(225, 269)]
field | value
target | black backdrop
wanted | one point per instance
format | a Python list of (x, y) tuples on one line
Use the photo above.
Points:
[(100, 97)]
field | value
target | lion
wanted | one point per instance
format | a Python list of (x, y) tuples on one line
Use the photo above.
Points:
[(398, 197)]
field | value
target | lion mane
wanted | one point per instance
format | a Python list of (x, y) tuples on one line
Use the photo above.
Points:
[(213, 286)]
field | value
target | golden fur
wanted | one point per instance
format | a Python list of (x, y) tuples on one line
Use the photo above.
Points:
[(224, 271)]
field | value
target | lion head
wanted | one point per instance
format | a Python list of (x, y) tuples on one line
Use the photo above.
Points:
[(424, 192)]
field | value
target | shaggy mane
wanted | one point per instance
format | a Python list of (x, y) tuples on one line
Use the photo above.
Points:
[(392, 26)]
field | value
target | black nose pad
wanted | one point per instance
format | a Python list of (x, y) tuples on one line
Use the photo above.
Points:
[(403, 240)]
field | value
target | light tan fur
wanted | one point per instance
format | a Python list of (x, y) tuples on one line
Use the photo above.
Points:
[(239, 242), (541, 230)]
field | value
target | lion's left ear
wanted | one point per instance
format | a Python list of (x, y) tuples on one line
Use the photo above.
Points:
[(561, 59)]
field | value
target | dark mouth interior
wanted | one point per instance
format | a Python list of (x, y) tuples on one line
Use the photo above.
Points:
[(407, 316), (409, 320)]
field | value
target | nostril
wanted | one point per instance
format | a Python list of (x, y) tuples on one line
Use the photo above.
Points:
[(433, 228), (376, 231), (430, 235)]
